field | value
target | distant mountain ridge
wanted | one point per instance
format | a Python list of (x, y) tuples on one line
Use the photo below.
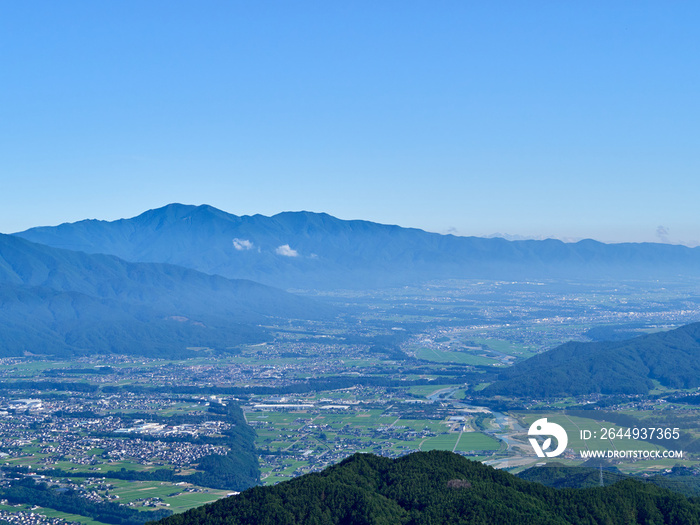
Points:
[(304, 249), (611, 367), (61, 302)]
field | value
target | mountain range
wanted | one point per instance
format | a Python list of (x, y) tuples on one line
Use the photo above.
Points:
[(302, 249), (187, 276), (62, 302)]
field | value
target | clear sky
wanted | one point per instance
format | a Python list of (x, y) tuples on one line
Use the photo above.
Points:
[(564, 119)]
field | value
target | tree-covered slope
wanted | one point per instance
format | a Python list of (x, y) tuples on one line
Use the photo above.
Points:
[(295, 249), (682, 480), (623, 367), (61, 302), (562, 476), (437, 488)]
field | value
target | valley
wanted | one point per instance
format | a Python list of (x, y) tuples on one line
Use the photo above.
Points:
[(397, 371)]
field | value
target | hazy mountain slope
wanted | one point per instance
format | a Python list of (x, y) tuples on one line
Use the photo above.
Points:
[(314, 249), (59, 301), (627, 367), (437, 488)]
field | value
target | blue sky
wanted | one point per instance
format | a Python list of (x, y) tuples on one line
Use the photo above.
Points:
[(563, 119)]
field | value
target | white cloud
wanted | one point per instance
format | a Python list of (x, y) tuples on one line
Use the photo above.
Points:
[(286, 251), (242, 244)]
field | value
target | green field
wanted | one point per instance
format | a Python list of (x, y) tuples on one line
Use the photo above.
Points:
[(51, 513), (441, 442), (445, 356), (377, 431), (506, 347), (476, 441), (132, 490)]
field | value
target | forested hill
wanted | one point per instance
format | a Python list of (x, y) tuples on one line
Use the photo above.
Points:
[(622, 367), (437, 488), (679, 479), (66, 303)]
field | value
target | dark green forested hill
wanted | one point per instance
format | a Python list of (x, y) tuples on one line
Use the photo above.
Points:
[(621, 367), (438, 488), (682, 480)]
